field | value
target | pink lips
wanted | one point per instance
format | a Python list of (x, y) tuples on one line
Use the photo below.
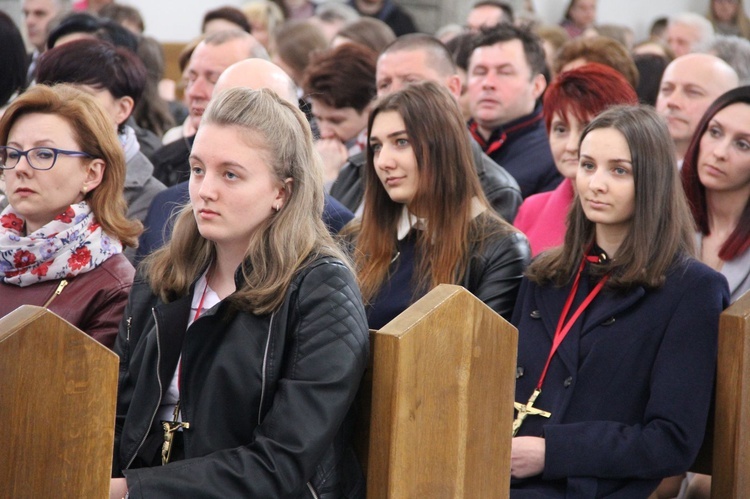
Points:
[(712, 170), (392, 181), (207, 214), (597, 205), (24, 191), (488, 101)]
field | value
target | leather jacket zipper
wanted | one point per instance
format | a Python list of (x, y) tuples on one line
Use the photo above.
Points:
[(263, 371), (312, 490), (158, 379), (57, 292), (263, 390)]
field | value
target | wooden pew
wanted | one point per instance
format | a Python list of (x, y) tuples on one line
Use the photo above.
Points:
[(57, 408), (442, 389), (725, 453), (731, 431)]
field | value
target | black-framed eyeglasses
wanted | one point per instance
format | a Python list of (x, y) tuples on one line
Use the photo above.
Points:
[(39, 158)]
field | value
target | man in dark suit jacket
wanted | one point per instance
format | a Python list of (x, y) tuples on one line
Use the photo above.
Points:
[(505, 80)]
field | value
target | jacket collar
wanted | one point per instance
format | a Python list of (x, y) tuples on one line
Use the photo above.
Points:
[(507, 131), (409, 221)]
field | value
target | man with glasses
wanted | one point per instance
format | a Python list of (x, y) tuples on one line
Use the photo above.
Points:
[(209, 59)]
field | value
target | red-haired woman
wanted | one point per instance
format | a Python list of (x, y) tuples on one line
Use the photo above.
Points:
[(425, 219), (573, 99)]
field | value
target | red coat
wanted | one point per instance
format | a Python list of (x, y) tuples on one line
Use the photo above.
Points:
[(93, 302)]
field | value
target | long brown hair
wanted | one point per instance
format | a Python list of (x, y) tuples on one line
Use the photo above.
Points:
[(661, 230), (93, 131), (447, 184), (280, 245)]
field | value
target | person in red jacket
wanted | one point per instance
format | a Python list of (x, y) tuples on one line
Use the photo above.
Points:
[(62, 235)]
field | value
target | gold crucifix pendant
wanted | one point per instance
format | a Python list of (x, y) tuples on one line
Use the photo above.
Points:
[(527, 409), (170, 427)]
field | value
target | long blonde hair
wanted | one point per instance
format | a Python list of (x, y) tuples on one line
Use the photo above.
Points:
[(282, 244)]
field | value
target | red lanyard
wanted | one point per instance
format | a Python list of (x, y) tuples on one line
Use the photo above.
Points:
[(563, 327)]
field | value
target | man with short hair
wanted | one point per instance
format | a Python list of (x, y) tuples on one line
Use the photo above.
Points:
[(505, 81), (688, 86), (209, 59), (415, 58), (689, 32), (37, 14), (487, 14)]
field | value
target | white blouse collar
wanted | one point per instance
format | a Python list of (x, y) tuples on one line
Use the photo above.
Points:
[(409, 221)]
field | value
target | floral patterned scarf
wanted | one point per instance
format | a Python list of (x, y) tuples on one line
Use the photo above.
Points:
[(71, 244)]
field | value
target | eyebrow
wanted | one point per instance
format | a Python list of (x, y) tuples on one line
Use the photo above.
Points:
[(390, 135), (223, 163), (36, 143), (615, 160), (737, 132)]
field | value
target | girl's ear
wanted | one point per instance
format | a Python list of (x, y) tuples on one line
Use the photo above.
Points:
[(284, 192)]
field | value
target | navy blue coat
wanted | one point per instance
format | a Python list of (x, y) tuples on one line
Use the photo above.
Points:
[(629, 388), (522, 147), (157, 227)]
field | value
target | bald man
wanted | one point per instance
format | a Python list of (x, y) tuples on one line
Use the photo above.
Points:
[(688, 87), (256, 74), (248, 73)]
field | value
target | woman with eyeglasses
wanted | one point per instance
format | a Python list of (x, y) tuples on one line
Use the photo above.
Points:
[(62, 235)]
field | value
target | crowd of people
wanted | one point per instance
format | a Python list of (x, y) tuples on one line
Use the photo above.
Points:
[(326, 165)]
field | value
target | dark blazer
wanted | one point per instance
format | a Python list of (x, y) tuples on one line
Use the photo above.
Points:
[(171, 165), (157, 227), (629, 388)]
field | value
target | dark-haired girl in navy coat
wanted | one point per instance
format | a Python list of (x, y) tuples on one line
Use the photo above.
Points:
[(617, 327)]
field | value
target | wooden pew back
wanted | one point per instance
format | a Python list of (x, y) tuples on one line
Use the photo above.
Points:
[(57, 408), (731, 435), (443, 383)]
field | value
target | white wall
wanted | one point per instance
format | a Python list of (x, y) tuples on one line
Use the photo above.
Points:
[(176, 20), (638, 14), (179, 20)]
